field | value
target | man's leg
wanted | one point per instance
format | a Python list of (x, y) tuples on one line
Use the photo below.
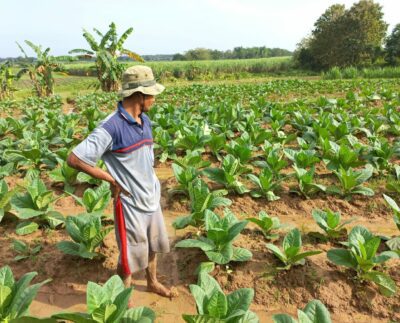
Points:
[(153, 285), (127, 282)]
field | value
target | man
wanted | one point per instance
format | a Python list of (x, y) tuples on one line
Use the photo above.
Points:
[(124, 142)]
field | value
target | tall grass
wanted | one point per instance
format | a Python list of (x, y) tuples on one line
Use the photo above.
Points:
[(336, 73), (202, 70)]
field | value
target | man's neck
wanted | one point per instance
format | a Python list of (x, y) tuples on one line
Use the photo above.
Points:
[(133, 108)]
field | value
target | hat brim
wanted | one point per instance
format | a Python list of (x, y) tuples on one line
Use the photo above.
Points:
[(148, 90)]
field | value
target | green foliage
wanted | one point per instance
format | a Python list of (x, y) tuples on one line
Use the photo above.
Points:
[(87, 232), (41, 69), (201, 200), (218, 243), (66, 175), (16, 296), (330, 222), (95, 200), (307, 186), (229, 173), (266, 224), (7, 79), (105, 52), (394, 243), (343, 37), (315, 311), (266, 184), (291, 254), (361, 256), (352, 181), (24, 250), (36, 204), (5, 198), (214, 306), (108, 304), (393, 46)]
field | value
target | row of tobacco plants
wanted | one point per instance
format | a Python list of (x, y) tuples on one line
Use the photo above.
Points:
[(222, 140)]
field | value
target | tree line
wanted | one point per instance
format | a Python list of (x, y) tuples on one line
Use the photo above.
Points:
[(237, 53), (349, 37)]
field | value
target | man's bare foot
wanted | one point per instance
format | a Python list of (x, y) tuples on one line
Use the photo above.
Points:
[(161, 290)]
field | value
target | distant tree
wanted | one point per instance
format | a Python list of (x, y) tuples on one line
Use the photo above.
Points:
[(198, 54), (343, 37), (41, 69), (326, 44), (365, 33), (106, 52), (392, 48), (179, 57), (303, 57)]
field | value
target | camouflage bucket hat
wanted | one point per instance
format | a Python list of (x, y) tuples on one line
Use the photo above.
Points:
[(139, 78)]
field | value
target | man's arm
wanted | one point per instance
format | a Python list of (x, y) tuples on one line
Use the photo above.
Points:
[(96, 172)]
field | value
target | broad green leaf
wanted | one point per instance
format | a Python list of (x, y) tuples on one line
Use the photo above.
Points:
[(217, 305), (192, 243), (317, 312), (240, 299), (241, 254), (25, 228), (283, 318), (342, 257), (387, 286)]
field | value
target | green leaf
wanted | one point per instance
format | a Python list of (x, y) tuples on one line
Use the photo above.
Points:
[(24, 297), (217, 305), (69, 247), (283, 318), (223, 256), (25, 228), (387, 286), (74, 317), (317, 312), (138, 315), (6, 277), (304, 255), (277, 252), (240, 299), (292, 239), (241, 254), (5, 296), (342, 257), (95, 296), (199, 297), (25, 213), (192, 243), (113, 287)]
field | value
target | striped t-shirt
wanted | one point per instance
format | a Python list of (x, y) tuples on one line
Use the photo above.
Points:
[(126, 147)]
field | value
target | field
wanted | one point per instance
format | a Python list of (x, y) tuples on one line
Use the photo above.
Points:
[(202, 70), (287, 147)]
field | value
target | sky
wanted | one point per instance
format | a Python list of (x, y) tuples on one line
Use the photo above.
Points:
[(166, 26)]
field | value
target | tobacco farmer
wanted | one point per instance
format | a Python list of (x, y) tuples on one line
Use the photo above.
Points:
[(124, 142)]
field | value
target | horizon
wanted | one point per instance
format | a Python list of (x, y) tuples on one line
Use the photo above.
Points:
[(165, 33)]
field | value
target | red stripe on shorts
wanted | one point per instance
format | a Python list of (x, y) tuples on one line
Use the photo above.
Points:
[(119, 216)]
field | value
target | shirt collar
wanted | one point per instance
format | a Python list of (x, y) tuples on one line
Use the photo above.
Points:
[(126, 115)]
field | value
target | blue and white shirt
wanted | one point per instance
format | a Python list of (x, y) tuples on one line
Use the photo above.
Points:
[(126, 147)]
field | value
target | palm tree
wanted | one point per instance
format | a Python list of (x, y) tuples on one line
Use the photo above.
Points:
[(106, 53)]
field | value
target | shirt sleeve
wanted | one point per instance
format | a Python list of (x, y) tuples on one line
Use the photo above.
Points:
[(91, 149)]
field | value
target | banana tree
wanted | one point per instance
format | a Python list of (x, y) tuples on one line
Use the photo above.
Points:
[(106, 53), (41, 70)]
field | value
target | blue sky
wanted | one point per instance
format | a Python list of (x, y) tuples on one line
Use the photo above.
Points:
[(169, 26)]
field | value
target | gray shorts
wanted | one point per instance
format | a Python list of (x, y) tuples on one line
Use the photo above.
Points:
[(137, 234)]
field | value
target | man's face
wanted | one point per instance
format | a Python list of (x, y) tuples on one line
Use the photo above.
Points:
[(148, 101)]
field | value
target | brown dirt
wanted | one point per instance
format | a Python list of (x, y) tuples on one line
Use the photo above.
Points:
[(283, 292)]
